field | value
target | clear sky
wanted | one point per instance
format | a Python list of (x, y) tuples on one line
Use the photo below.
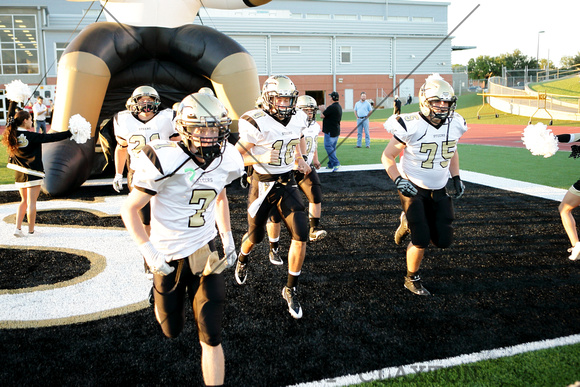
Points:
[(501, 26)]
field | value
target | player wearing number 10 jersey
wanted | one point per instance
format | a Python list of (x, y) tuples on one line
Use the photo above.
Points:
[(428, 140), (271, 140)]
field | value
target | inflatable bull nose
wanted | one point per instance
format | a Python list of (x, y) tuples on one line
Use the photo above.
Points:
[(107, 60)]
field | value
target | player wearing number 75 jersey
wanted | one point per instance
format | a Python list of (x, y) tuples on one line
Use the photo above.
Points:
[(185, 182), (428, 140)]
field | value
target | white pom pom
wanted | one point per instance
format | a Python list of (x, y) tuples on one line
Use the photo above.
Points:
[(17, 91), (80, 129), (540, 140)]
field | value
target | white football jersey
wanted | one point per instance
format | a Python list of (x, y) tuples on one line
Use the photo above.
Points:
[(425, 160), (259, 128), (138, 134), (183, 203), (311, 135)]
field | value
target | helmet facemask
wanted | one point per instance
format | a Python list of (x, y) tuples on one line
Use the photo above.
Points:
[(277, 90), (437, 89), (137, 104), (203, 124), (308, 105)]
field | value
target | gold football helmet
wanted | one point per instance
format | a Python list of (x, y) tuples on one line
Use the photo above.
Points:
[(203, 123), (436, 88)]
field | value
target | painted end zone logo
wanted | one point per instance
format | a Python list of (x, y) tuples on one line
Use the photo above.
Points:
[(115, 284)]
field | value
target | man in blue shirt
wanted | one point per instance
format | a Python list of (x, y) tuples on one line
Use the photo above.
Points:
[(362, 110)]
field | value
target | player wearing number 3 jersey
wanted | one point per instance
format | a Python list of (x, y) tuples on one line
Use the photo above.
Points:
[(428, 142), (185, 183)]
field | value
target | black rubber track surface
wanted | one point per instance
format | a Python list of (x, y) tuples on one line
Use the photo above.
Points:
[(506, 280)]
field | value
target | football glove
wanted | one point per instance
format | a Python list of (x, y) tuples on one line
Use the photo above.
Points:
[(459, 187), (118, 182), (229, 248), (156, 261), (405, 187)]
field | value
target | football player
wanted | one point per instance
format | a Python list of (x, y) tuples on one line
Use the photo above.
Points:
[(270, 141), (309, 184), (428, 140), (185, 183), (141, 123)]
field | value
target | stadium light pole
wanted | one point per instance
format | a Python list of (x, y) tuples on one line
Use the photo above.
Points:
[(538, 49)]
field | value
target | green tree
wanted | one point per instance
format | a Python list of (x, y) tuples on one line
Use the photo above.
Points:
[(569, 61), (517, 61), (483, 67)]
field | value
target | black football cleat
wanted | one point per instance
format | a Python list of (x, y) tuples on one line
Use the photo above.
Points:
[(294, 307), (402, 230), (414, 285)]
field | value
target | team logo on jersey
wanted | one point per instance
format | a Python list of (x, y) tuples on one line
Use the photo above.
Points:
[(190, 173), (22, 141)]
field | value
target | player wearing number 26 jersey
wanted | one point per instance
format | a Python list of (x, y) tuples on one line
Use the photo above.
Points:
[(134, 128), (137, 133), (428, 140)]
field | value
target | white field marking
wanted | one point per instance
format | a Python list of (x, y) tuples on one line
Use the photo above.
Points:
[(531, 189), (116, 283), (525, 188), (433, 365)]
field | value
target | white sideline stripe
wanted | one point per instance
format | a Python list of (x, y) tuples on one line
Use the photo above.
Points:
[(537, 190), (432, 365)]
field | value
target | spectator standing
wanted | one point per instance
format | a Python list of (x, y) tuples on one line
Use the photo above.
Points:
[(40, 111), (397, 106), (362, 109), (50, 107), (331, 117), (409, 100)]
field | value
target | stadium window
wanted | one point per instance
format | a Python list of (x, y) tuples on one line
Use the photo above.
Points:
[(289, 49), (372, 17), (345, 54), (422, 19), (19, 45), (345, 17), (59, 50), (317, 16), (398, 18)]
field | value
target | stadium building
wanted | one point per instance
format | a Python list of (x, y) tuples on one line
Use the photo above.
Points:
[(323, 45)]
